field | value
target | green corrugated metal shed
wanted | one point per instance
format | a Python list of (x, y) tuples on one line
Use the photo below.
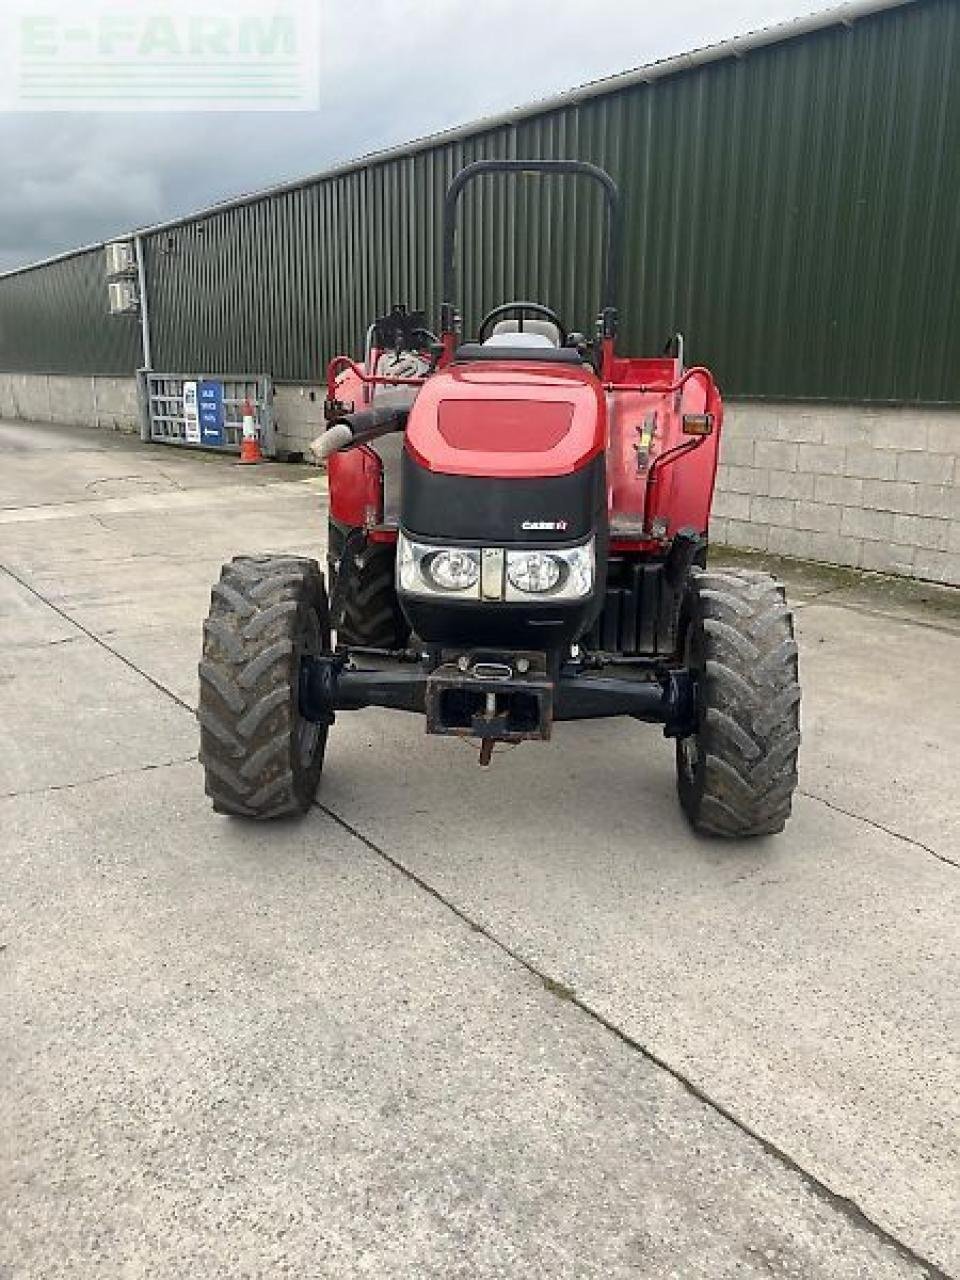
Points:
[(791, 204), (53, 319)]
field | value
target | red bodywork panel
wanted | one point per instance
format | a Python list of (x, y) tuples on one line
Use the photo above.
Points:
[(641, 490), (355, 478), (507, 418), (507, 426)]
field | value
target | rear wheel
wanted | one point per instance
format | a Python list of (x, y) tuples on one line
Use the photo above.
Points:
[(737, 773), (261, 758), (365, 610)]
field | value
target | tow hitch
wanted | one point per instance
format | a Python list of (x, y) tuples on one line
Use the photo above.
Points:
[(492, 697)]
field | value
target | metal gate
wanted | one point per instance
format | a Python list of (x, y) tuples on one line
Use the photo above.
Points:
[(205, 411)]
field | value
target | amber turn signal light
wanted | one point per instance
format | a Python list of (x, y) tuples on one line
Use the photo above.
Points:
[(697, 424)]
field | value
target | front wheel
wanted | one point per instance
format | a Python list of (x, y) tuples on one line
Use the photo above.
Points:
[(261, 758), (736, 774), (365, 608)]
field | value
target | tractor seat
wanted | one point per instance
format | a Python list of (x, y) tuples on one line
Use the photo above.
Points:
[(546, 354), (537, 340), (535, 333)]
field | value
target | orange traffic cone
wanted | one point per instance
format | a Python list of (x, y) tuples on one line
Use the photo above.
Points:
[(250, 441)]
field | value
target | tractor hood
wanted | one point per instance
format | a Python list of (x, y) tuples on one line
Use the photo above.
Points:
[(505, 419)]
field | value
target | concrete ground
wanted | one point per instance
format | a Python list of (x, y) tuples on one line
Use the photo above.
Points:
[(457, 1022)]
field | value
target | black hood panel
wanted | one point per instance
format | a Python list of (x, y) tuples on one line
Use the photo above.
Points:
[(541, 510)]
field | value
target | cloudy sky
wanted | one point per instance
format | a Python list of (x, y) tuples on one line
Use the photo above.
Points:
[(391, 70)]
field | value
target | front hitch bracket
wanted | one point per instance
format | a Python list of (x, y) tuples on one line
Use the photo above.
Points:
[(488, 707)]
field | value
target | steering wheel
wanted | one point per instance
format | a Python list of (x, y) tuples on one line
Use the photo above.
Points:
[(524, 308)]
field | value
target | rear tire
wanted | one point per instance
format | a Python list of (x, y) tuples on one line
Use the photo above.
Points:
[(260, 757), (365, 609), (737, 773)]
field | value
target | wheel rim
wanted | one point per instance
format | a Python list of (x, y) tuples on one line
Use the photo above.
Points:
[(309, 733), (688, 748), (689, 756)]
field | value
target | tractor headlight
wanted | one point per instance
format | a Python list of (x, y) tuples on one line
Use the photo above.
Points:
[(533, 571), (430, 571), (452, 570), (561, 574), (469, 573)]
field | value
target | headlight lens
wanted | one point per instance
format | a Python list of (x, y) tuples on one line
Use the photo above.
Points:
[(533, 571), (565, 574), (453, 570), (431, 571)]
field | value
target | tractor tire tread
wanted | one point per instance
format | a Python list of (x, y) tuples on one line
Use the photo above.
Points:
[(748, 736), (367, 611), (248, 710)]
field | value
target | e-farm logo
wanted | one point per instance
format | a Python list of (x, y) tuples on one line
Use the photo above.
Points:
[(209, 55)]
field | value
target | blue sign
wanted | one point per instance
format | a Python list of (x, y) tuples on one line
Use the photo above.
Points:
[(210, 397)]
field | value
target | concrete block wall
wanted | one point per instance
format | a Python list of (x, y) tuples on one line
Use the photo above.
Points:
[(111, 404), (872, 488), (298, 414), (105, 402)]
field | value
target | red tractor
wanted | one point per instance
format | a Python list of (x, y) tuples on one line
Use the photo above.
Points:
[(518, 536)]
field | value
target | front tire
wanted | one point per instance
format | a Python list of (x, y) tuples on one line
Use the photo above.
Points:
[(737, 773), (261, 758)]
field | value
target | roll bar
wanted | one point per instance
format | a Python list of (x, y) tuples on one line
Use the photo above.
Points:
[(565, 168)]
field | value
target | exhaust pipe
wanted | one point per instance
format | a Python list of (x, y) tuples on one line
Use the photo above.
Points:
[(389, 414)]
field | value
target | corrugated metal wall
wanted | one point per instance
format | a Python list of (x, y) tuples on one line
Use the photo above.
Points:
[(793, 211), (54, 320)]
